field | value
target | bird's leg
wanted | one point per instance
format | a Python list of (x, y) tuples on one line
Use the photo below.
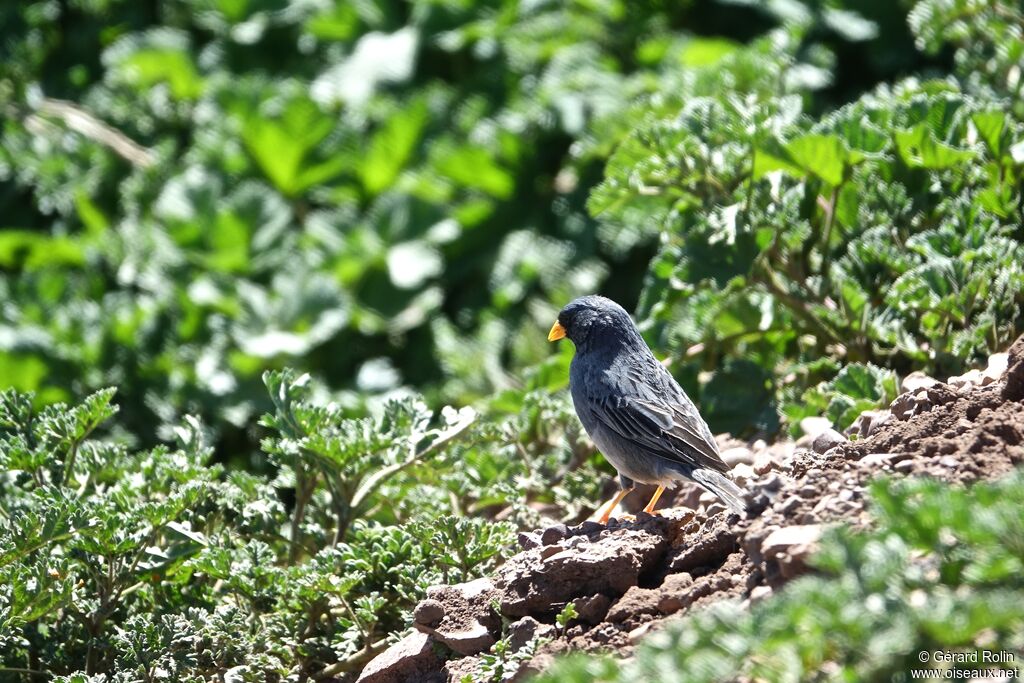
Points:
[(611, 505), (649, 509)]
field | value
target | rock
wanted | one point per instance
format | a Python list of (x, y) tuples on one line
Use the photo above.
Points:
[(468, 625), (549, 550), (521, 632), (553, 534), (916, 381), (429, 612), (634, 602), (528, 540), (813, 426), (639, 632), (763, 463), (742, 474), (759, 593), (997, 364), (738, 455), (868, 422), (827, 439), (882, 459), (469, 640), (675, 593), (532, 585), (592, 610), (708, 546), (907, 405), (1013, 389), (410, 660), (966, 382), (587, 528), (785, 551), (904, 466)]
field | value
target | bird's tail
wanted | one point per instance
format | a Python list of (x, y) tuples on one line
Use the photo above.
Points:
[(723, 487)]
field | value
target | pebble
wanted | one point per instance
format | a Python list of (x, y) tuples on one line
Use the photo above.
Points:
[(553, 534), (528, 540), (827, 440), (428, 612)]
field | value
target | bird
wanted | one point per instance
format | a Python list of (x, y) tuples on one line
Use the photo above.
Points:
[(634, 410)]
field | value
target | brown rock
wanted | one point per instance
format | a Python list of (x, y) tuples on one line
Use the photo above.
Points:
[(916, 381), (1013, 389), (525, 630), (675, 593), (738, 455), (827, 440), (429, 612), (785, 551), (532, 585), (591, 610), (410, 660), (468, 625)]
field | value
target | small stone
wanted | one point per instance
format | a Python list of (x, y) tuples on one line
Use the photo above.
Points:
[(789, 547), (550, 550), (904, 407), (707, 498), (429, 612), (593, 609), (882, 459), (763, 463), (587, 528), (738, 455), (904, 466), (826, 440), (715, 508), (813, 426), (759, 593), (916, 381), (790, 505), (997, 364), (411, 659), (967, 381), (743, 473), (553, 534), (528, 540), (639, 632), (833, 453)]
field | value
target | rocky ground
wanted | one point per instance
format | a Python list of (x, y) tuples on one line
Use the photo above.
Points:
[(634, 576)]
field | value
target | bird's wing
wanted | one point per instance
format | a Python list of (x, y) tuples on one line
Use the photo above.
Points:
[(668, 426)]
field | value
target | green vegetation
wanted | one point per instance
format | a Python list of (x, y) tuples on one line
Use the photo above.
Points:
[(940, 572), (800, 201)]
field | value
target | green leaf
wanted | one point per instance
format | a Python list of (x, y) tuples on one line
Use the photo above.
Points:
[(392, 146), (919, 149), (823, 155), (991, 125)]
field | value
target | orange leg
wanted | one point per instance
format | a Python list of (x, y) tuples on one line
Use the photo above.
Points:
[(654, 500), (611, 505)]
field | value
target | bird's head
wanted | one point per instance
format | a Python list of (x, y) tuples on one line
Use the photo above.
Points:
[(592, 318)]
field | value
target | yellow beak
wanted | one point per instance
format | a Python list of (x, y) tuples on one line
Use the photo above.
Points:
[(557, 332)]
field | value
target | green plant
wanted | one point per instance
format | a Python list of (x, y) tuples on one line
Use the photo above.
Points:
[(142, 564)]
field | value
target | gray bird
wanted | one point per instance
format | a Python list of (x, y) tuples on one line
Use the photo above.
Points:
[(634, 410)]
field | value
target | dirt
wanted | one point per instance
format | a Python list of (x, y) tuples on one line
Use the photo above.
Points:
[(632, 577)]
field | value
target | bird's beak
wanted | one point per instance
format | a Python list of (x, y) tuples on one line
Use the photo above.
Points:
[(557, 332)]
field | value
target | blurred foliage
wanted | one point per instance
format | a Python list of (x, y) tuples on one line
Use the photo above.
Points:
[(940, 572), (399, 194)]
